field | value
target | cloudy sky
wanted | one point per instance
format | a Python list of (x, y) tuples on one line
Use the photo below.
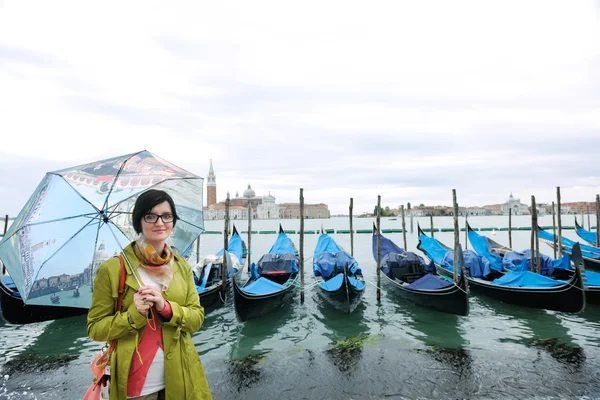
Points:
[(406, 100)]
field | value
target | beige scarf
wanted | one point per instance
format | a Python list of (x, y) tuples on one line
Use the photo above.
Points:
[(160, 268)]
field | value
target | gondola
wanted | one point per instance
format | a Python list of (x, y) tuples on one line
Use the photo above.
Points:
[(512, 287), (272, 282), (419, 282), (590, 254), (561, 268), (15, 311), (341, 279), (208, 272), (588, 236)]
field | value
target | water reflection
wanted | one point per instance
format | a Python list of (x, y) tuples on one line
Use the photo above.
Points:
[(348, 334), (540, 329)]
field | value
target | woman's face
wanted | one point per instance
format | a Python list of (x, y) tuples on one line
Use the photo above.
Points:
[(157, 233)]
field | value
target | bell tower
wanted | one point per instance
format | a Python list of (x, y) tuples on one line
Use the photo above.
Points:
[(211, 187)]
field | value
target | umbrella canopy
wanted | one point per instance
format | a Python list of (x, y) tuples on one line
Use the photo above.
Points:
[(79, 217)]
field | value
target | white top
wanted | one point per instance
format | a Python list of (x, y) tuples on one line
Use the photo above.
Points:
[(155, 380)]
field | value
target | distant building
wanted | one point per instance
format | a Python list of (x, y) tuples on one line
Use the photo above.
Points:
[(211, 186), (579, 207), (494, 209), (262, 207), (514, 204), (292, 210), (477, 211)]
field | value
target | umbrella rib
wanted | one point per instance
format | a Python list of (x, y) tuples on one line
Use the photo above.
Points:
[(55, 220), (125, 257), (116, 176)]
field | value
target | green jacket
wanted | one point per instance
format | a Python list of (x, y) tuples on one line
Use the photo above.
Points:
[(184, 375)]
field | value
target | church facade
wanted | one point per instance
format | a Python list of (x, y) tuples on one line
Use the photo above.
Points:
[(261, 207)]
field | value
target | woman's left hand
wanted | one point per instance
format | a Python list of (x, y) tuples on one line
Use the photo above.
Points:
[(154, 295)]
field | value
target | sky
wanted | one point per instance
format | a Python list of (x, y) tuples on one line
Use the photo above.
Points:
[(345, 99)]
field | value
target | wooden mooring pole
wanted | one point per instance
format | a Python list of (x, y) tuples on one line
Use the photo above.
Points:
[(302, 245), (5, 224), (225, 250), (589, 220), (532, 262), (249, 249), (597, 220), (559, 223), (412, 226), (536, 235), (554, 228), (378, 218), (431, 224), (456, 233), (510, 228), (403, 228), (351, 229)]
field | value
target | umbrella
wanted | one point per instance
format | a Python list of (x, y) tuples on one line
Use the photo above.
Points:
[(79, 217)]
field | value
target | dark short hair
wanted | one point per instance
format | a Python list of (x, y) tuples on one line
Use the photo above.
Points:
[(146, 202)]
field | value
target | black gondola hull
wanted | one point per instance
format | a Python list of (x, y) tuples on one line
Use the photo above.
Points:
[(569, 297), (453, 299), (17, 312), (592, 295), (346, 299), (248, 306), (213, 296)]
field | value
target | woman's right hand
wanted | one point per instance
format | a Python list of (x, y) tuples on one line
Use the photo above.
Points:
[(141, 303)]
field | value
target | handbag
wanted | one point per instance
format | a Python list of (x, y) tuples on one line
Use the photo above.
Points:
[(101, 363)]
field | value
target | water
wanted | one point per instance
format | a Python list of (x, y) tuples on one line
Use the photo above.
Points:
[(391, 349)]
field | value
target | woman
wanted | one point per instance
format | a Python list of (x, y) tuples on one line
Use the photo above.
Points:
[(154, 357)]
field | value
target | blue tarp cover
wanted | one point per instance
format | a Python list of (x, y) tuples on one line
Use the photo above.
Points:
[(586, 251), (433, 248), (526, 279), (429, 282), (593, 278), (514, 261), (356, 283), (286, 262), (283, 244), (482, 246), (586, 235), (337, 281), (263, 286), (325, 265), (474, 263), (407, 261), (235, 247), (387, 247), (394, 256), (328, 257), (333, 284)]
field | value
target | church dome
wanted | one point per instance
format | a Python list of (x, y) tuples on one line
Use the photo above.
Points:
[(249, 193), (101, 255)]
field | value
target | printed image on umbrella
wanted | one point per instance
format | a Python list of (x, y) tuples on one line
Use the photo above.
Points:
[(79, 217)]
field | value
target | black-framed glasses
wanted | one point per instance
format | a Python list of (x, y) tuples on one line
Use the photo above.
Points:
[(153, 218)]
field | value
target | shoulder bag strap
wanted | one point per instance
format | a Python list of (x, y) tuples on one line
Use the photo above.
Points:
[(122, 277)]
